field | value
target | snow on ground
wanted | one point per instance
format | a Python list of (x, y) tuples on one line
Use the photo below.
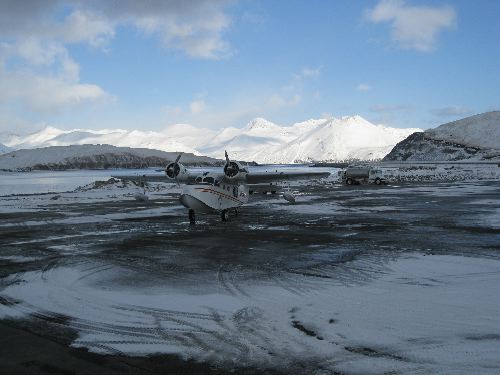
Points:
[(379, 312), (433, 313), (415, 172)]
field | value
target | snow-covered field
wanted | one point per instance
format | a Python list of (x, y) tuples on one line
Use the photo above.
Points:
[(395, 279), (413, 314)]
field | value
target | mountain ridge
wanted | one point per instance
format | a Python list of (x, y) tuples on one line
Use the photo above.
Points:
[(348, 137)]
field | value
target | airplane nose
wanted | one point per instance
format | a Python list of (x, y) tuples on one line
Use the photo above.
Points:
[(184, 198)]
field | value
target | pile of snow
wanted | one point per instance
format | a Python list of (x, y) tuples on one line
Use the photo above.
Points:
[(472, 138), (94, 157), (346, 138)]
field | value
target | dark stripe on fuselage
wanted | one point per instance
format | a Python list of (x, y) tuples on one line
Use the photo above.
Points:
[(204, 190)]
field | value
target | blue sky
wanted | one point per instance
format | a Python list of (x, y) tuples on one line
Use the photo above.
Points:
[(149, 64)]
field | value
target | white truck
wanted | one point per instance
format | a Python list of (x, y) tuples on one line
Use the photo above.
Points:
[(358, 174)]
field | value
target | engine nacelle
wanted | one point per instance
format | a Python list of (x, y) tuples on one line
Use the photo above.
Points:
[(176, 171), (234, 171)]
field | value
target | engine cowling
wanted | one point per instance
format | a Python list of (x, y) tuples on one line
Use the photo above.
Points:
[(176, 171), (234, 170)]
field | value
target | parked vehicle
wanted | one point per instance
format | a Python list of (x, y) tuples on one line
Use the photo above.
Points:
[(359, 174)]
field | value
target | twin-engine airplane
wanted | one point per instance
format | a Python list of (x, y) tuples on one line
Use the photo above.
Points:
[(205, 192)]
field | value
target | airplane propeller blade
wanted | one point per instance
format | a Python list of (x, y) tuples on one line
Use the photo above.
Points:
[(227, 158), (176, 164), (173, 169)]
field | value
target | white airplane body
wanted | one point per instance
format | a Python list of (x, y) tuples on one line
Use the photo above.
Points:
[(206, 192), (206, 197)]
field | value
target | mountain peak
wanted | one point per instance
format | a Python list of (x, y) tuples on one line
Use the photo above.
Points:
[(260, 123), (356, 119)]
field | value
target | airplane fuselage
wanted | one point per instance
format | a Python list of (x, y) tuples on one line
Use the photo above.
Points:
[(207, 197)]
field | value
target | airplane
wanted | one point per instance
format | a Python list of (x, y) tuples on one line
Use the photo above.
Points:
[(208, 192)]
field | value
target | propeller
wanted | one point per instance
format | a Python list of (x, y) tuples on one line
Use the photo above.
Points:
[(231, 169), (173, 169)]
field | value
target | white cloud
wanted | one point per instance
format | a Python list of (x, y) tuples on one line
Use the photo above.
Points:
[(194, 27), (197, 106), (451, 111), (413, 27), (308, 73), (85, 26), (278, 101), (49, 80), (37, 72), (172, 111), (363, 87), (390, 108), (48, 94)]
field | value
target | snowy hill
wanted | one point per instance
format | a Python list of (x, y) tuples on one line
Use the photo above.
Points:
[(472, 138), (345, 138), (94, 157)]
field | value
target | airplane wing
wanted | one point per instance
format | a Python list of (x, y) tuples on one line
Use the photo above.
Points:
[(276, 176), (189, 178), (144, 178)]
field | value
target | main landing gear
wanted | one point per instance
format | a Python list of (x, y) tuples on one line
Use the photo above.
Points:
[(224, 215), (192, 217)]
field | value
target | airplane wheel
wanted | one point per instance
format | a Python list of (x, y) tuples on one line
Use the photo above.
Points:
[(192, 217), (378, 181), (349, 181), (273, 192), (224, 215)]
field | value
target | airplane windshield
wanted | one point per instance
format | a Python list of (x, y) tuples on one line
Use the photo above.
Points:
[(209, 180)]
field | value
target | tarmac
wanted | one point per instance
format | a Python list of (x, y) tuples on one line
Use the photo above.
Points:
[(70, 270)]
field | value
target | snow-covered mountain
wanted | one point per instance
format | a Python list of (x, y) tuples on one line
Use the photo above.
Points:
[(338, 139), (51, 136), (350, 137), (95, 156), (472, 138)]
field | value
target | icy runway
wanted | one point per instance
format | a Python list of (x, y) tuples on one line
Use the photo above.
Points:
[(395, 279)]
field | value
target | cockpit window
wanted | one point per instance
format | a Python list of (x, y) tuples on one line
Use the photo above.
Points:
[(209, 180)]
